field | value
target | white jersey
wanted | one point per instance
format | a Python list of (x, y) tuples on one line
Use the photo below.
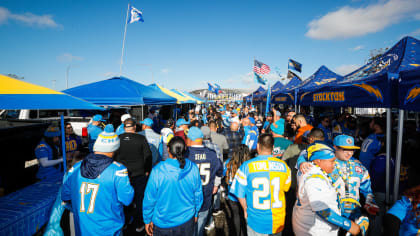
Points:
[(315, 193)]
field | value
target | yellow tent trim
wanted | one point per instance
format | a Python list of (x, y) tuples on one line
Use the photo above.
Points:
[(13, 86)]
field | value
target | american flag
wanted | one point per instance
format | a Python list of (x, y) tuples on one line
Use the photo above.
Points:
[(261, 68)]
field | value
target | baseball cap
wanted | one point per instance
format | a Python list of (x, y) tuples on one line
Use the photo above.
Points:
[(52, 131), (195, 133), (235, 111), (252, 120), (320, 150), (125, 117), (181, 121), (147, 121), (345, 142), (206, 131), (280, 127), (107, 141), (97, 117)]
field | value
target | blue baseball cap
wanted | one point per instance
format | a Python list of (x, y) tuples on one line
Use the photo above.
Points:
[(52, 131), (235, 111), (320, 150), (252, 120), (345, 142), (147, 121), (195, 133), (97, 117), (278, 127), (181, 121)]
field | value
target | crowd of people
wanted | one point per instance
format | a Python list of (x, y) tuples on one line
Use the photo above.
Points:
[(280, 173)]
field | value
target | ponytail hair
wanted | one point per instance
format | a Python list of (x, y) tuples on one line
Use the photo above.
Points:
[(177, 149)]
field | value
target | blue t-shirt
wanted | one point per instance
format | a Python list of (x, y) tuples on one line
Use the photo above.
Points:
[(370, 147), (173, 195), (43, 150), (209, 166), (97, 204), (262, 181), (403, 210)]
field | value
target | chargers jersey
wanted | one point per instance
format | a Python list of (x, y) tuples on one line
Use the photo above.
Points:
[(93, 132), (370, 147), (351, 178), (262, 181), (315, 193), (209, 166), (403, 210), (97, 204), (252, 138), (43, 150)]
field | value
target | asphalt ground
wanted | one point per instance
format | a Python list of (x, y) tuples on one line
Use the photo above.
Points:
[(221, 224)]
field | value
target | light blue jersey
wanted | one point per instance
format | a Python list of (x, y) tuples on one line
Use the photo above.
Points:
[(97, 203), (173, 195), (403, 210), (93, 132), (262, 181)]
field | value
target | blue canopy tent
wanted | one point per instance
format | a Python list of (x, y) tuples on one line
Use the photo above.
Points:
[(322, 77), (120, 91), (372, 85), (251, 96), (263, 96), (409, 90), (23, 212), (286, 95)]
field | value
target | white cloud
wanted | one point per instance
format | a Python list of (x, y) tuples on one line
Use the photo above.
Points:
[(164, 71), (42, 21), (357, 48), (349, 22), (346, 69), (415, 32), (68, 57)]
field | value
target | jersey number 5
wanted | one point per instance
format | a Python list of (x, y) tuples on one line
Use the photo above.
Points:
[(204, 170), (85, 189), (266, 204)]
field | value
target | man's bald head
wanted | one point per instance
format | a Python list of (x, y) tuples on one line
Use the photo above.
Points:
[(300, 120)]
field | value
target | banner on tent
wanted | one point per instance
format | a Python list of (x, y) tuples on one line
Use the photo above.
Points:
[(329, 97)]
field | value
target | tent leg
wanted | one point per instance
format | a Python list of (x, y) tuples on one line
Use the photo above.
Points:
[(63, 144), (388, 155), (398, 160), (142, 112)]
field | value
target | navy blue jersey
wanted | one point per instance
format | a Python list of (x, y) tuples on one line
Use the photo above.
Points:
[(210, 166)]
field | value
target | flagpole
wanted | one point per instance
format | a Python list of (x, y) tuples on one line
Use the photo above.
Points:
[(125, 31)]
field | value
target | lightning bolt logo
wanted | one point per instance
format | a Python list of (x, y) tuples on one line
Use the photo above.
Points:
[(412, 94), (416, 65), (301, 97), (371, 90), (291, 96)]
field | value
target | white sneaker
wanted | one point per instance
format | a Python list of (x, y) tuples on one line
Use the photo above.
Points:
[(210, 226), (140, 229), (216, 213)]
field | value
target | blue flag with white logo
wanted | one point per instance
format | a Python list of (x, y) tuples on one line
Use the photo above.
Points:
[(295, 65), (260, 79), (134, 15)]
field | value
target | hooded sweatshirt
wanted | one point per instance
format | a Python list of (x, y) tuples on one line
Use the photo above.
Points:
[(173, 195), (98, 188)]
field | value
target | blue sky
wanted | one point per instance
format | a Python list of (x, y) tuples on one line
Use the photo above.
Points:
[(185, 44)]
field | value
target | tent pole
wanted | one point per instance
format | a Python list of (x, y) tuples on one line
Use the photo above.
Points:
[(142, 112), (388, 154), (398, 160), (63, 144)]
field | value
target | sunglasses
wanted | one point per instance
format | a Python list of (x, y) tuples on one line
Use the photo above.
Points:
[(69, 127)]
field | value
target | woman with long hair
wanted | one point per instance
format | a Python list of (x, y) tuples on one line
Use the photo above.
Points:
[(173, 195), (404, 217), (240, 155)]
